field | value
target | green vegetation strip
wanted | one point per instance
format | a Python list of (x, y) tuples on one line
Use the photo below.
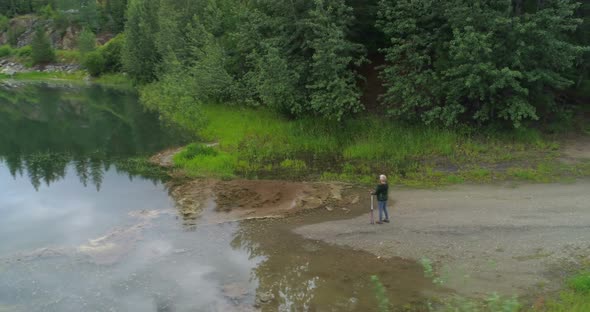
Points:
[(257, 143)]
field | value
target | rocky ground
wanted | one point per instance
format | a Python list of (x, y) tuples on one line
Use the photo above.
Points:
[(8, 67)]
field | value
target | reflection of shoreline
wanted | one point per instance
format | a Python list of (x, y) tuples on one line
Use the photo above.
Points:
[(50, 168), (44, 127)]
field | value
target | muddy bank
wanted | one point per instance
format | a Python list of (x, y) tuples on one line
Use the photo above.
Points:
[(481, 239), (257, 199)]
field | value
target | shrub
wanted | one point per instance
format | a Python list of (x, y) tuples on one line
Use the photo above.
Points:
[(294, 165), (111, 52), (13, 35), (581, 283), (42, 51), (25, 51), (61, 21), (86, 41), (195, 149), (4, 22), (5, 51), (47, 11), (94, 63)]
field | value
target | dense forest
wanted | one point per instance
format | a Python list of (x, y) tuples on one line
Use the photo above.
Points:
[(438, 62)]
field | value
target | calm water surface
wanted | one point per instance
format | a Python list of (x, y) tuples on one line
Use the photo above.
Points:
[(82, 230)]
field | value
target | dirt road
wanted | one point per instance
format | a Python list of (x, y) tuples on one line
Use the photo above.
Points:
[(482, 239)]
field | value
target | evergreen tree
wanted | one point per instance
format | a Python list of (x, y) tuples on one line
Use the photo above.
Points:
[(86, 41), (89, 14), (140, 56), (42, 51), (332, 82), (476, 60)]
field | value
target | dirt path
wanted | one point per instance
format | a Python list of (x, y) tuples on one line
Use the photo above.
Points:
[(482, 239)]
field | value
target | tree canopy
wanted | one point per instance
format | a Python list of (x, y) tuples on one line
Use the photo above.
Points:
[(511, 62)]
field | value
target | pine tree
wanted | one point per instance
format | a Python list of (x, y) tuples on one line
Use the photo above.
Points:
[(86, 41), (140, 56), (42, 51)]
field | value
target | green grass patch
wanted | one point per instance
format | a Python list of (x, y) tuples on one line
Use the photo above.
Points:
[(255, 142), (199, 160), (68, 56), (114, 79), (569, 302), (580, 283)]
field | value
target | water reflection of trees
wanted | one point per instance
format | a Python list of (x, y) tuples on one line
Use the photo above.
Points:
[(44, 129), (307, 275)]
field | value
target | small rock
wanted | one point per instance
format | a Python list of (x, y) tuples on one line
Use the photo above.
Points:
[(264, 298), (329, 208)]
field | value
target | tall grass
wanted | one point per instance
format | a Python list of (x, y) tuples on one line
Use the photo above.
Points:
[(576, 299), (255, 141)]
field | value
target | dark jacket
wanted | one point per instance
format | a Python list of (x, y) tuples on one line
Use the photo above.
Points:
[(381, 192)]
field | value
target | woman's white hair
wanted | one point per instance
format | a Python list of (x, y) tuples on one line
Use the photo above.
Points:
[(383, 178)]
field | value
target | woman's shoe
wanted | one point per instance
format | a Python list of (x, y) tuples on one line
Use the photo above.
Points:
[(379, 222), (386, 220)]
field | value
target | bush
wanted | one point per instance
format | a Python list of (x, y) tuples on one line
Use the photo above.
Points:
[(4, 22), (581, 283), (94, 63), (13, 35), (5, 51), (42, 51), (195, 149), (111, 52), (25, 51), (293, 165), (61, 21), (86, 41), (47, 11)]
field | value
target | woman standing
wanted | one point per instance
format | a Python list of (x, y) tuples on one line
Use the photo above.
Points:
[(382, 192)]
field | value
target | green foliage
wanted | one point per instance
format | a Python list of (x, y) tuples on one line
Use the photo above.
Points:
[(429, 273), (94, 62), (19, 7), (195, 149), (380, 293), (86, 41), (13, 34), (140, 57), (89, 14), (4, 22), (293, 165), (577, 299), (569, 302), (68, 56), (42, 51), (221, 165), (174, 98), (111, 52), (297, 63), (453, 61), (580, 283), (47, 11), (61, 21), (333, 86), (116, 9), (353, 150), (25, 51), (6, 50)]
